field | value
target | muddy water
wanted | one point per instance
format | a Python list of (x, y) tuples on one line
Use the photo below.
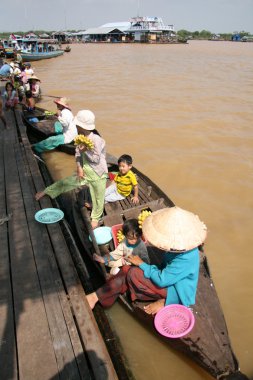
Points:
[(184, 112)]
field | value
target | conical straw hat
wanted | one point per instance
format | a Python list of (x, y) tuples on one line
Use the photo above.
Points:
[(174, 229)]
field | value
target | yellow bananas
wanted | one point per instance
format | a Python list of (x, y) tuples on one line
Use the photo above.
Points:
[(120, 236), (49, 113), (142, 216), (83, 140)]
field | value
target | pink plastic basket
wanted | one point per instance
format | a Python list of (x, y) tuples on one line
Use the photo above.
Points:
[(174, 321)]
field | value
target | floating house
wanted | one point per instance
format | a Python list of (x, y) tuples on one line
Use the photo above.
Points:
[(137, 29), (150, 29), (110, 32)]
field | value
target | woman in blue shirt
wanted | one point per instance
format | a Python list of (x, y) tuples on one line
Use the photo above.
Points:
[(178, 233)]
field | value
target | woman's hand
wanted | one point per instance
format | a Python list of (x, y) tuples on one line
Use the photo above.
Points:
[(79, 173), (82, 148), (135, 260)]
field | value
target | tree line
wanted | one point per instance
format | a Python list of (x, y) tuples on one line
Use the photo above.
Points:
[(185, 34), (206, 34)]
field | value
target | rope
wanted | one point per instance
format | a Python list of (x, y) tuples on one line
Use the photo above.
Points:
[(5, 219)]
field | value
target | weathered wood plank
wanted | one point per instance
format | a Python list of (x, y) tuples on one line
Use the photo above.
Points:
[(50, 281), (36, 357), (7, 328), (96, 350)]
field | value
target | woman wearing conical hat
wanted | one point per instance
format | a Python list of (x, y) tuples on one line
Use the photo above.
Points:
[(178, 233), (65, 128)]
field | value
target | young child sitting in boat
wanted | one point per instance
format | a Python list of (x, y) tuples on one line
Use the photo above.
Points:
[(124, 182), (132, 244)]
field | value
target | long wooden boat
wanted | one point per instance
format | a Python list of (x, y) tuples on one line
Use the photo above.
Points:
[(208, 344), (43, 55)]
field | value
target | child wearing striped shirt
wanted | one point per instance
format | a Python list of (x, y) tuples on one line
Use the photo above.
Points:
[(124, 183)]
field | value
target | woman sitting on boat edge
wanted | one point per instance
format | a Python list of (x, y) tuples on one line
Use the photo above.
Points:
[(177, 232), (65, 128), (91, 167)]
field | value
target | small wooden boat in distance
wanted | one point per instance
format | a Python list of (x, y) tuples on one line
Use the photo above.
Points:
[(67, 49)]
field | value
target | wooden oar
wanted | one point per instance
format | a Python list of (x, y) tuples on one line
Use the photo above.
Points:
[(51, 96)]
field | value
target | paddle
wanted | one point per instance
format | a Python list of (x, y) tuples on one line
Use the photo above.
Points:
[(52, 96)]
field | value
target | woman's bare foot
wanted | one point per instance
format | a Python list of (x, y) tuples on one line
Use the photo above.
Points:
[(92, 299), (154, 307), (94, 224), (98, 258), (88, 205), (39, 195)]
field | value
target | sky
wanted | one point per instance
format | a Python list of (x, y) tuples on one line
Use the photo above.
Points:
[(217, 16)]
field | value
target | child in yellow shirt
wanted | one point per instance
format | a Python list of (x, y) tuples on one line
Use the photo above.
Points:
[(124, 182)]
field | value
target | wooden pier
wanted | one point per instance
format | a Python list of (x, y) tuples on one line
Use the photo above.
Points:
[(47, 330)]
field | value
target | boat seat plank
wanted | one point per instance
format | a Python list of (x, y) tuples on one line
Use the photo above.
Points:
[(118, 206), (118, 218)]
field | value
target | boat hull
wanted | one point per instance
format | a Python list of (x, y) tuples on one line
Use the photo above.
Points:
[(39, 56), (208, 344)]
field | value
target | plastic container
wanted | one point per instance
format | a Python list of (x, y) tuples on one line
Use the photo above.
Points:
[(174, 321), (102, 235)]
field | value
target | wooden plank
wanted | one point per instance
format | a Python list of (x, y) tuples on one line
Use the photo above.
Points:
[(36, 357), (113, 207), (51, 284), (89, 332), (7, 328)]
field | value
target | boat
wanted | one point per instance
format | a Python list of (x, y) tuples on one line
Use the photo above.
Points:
[(32, 48), (67, 49), (8, 48), (35, 49), (208, 344)]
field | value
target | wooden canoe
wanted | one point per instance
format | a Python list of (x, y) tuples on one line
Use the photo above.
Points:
[(208, 344)]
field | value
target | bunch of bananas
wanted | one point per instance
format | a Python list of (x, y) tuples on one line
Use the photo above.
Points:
[(83, 140), (120, 236), (142, 216), (49, 113)]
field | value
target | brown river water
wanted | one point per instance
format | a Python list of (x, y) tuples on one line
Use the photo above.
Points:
[(185, 114)]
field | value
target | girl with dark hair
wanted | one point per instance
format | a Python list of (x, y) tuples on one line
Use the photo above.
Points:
[(132, 244)]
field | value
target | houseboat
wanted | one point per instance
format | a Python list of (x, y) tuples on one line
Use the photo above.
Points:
[(137, 29), (150, 29)]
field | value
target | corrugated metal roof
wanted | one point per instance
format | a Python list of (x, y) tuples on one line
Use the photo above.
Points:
[(100, 30), (123, 25)]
